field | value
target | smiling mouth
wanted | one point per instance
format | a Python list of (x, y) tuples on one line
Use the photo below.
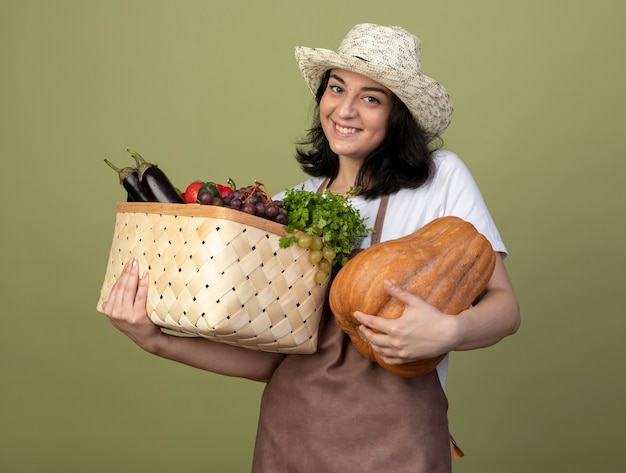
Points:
[(345, 130)]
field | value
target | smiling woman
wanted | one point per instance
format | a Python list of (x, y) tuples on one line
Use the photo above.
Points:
[(539, 99), (372, 135)]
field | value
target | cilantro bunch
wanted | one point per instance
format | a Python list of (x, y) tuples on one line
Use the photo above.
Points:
[(326, 223)]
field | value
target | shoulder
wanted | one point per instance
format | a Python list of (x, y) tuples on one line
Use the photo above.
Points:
[(311, 185), (451, 191), (450, 179), (449, 164)]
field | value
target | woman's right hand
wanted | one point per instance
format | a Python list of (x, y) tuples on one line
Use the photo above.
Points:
[(126, 308)]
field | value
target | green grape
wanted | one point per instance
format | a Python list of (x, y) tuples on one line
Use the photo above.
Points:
[(317, 242), (315, 256), (305, 240), (325, 265), (329, 254), (320, 276)]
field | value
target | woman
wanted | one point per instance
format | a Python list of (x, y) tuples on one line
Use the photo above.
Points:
[(335, 410)]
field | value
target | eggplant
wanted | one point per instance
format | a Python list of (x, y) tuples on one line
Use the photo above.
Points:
[(155, 181), (129, 179)]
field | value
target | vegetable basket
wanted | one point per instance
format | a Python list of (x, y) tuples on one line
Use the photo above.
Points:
[(220, 274)]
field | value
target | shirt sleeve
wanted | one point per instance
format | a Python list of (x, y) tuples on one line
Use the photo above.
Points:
[(458, 194)]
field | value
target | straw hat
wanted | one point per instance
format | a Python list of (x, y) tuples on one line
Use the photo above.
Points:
[(390, 56)]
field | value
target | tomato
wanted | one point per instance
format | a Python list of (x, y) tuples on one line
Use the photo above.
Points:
[(190, 196)]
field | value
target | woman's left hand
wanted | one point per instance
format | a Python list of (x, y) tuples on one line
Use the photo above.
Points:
[(421, 332)]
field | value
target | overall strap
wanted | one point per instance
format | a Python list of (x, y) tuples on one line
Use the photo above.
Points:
[(380, 219)]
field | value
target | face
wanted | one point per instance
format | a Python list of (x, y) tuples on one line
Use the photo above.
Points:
[(354, 112)]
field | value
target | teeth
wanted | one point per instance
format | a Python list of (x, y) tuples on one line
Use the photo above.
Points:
[(341, 129)]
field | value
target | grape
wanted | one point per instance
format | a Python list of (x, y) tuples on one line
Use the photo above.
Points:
[(253, 200), (329, 254), (325, 265), (206, 198), (315, 256), (317, 242), (320, 276), (260, 209), (305, 240), (249, 209), (271, 210), (281, 218), (236, 203)]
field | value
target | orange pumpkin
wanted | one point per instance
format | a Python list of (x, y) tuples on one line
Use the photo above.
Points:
[(447, 263)]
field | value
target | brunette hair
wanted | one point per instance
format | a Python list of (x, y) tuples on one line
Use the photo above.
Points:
[(403, 160)]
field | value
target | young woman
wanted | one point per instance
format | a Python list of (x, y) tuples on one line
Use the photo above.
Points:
[(376, 123)]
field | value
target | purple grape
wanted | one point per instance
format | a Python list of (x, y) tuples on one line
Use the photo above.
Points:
[(271, 210), (249, 209), (236, 203), (281, 217), (260, 209), (206, 198)]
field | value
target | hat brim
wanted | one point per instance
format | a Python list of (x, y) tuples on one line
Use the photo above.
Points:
[(426, 99)]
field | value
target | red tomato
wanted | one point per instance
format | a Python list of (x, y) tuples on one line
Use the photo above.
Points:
[(190, 196)]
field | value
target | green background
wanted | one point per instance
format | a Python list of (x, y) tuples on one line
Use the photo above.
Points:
[(211, 90)]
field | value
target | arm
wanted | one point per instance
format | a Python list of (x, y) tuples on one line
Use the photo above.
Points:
[(494, 316), (126, 309), (424, 332)]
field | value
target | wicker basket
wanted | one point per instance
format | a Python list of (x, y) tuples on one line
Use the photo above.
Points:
[(219, 273)]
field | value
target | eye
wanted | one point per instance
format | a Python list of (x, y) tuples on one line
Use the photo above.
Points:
[(371, 99), (337, 89)]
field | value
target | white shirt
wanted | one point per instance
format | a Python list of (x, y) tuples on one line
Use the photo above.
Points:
[(452, 191)]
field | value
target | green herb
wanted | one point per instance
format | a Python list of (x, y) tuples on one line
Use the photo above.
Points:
[(329, 216)]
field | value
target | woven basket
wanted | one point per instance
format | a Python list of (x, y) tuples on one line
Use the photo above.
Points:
[(220, 274)]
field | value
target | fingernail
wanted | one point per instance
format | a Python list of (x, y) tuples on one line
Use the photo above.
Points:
[(133, 263), (388, 283)]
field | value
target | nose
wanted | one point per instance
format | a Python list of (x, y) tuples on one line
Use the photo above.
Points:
[(347, 108)]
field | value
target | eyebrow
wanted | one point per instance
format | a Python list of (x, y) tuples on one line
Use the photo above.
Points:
[(368, 89)]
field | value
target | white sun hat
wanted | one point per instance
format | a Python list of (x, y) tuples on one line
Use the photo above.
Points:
[(389, 55)]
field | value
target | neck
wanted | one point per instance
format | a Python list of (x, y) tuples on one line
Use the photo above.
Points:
[(340, 185), (346, 177)]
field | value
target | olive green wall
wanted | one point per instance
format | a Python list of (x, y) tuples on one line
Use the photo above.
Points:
[(211, 90)]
